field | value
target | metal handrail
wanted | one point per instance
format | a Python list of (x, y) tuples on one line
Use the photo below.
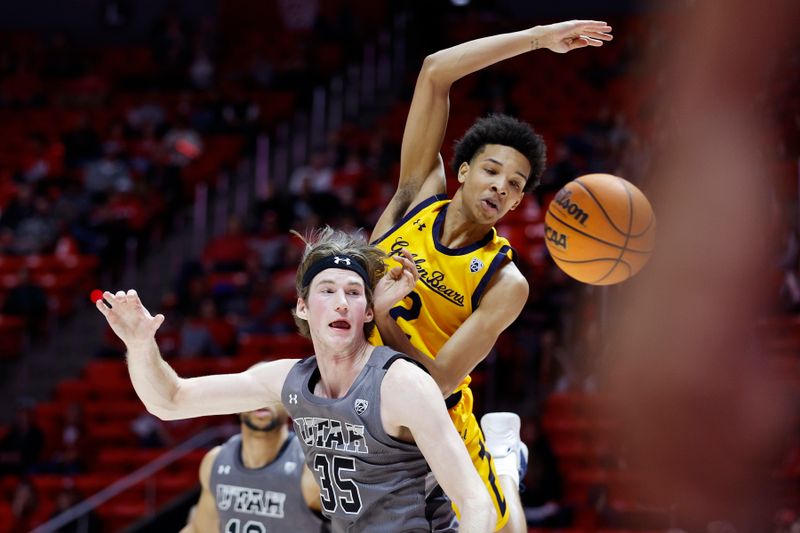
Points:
[(137, 476)]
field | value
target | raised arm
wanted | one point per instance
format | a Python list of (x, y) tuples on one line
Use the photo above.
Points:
[(421, 166), (163, 392), (410, 399), (472, 341)]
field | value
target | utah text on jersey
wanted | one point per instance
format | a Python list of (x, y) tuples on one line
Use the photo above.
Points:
[(250, 501), (331, 434)]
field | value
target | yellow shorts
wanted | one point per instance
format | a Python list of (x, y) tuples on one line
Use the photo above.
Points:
[(470, 431)]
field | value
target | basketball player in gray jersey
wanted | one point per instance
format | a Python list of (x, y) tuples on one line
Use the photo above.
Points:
[(256, 482), (337, 281), (366, 476)]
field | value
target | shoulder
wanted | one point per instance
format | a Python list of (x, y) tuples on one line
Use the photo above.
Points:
[(207, 464), (509, 282), (406, 393), (405, 382)]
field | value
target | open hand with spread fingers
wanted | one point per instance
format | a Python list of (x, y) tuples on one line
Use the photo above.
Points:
[(570, 35), (396, 283), (129, 319)]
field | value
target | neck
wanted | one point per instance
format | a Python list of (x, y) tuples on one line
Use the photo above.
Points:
[(459, 228), (338, 369), (259, 448)]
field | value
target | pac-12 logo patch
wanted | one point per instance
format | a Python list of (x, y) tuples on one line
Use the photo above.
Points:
[(476, 265), (289, 467), (361, 406)]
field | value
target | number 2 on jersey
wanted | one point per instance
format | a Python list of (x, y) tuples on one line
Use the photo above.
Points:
[(412, 313)]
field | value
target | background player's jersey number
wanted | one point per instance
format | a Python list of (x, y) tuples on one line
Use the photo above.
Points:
[(234, 525), (412, 313), (336, 490)]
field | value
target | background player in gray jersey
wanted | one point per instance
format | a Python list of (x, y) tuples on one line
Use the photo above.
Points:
[(256, 482), (337, 311)]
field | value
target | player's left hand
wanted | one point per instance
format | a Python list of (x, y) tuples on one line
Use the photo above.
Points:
[(396, 283), (565, 36)]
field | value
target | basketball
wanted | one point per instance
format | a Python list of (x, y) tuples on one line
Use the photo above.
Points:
[(600, 229)]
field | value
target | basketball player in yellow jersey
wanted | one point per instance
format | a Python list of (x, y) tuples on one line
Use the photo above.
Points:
[(469, 290)]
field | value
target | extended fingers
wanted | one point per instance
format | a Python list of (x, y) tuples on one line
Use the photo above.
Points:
[(597, 35), (591, 42), (120, 297), (102, 307)]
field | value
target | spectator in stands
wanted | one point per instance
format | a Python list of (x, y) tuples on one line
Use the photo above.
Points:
[(229, 251), (24, 504), (42, 159), (201, 69), (69, 457), (106, 175), (36, 233), (19, 208), (269, 242), (240, 114), (316, 177), (208, 333), (150, 431), (182, 143), (29, 301), (21, 447)]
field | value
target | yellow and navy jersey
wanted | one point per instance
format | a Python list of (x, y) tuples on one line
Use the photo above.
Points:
[(452, 280)]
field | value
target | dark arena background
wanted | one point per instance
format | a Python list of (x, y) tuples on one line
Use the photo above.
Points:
[(171, 146)]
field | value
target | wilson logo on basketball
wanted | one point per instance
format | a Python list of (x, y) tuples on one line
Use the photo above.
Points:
[(564, 200), (558, 239)]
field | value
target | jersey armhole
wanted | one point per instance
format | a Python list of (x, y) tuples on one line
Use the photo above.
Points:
[(499, 259), (414, 211)]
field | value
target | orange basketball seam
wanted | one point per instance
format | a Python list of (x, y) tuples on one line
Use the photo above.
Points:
[(621, 261), (647, 228), (610, 220), (627, 235), (603, 209), (550, 212)]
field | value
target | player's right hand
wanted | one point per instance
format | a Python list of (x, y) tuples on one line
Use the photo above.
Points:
[(563, 37), (396, 283), (128, 318)]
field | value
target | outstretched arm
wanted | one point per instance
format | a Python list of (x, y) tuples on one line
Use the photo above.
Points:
[(472, 341), (170, 397), (410, 399), (421, 166)]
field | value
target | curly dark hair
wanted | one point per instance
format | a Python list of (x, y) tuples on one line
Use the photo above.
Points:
[(507, 131)]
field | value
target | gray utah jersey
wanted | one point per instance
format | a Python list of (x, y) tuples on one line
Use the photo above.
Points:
[(261, 500), (368, 480)]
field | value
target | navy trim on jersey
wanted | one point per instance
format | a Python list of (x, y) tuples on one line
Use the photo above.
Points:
[(405, 357), (452, 400), (496, 263), (437, 230), (408, 216)]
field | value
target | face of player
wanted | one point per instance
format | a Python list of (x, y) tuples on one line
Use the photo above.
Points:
[(266, 418), (493, 183), (336, 309)]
